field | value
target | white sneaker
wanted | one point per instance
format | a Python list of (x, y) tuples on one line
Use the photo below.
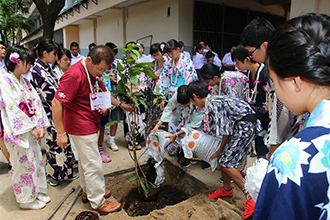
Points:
[(113, 146), (36, 204), (43, 198)]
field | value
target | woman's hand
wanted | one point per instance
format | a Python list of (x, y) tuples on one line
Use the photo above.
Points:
[(35, 133), (157, 73), (154, 129), (172, 138), (162, 105), (41, 132)]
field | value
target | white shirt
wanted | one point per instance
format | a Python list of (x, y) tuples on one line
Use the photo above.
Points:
[(3, 68), (187, 54), (216, 61), (145, 59), (76, 59), (199, 60), (227, 59)]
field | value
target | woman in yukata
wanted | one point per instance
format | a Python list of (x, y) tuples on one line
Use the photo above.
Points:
[(24, 121), (233, 119), (182, 113), (296, 185), (44, 80), (231, 83), (178, 71), (64, 62), (154, 112)]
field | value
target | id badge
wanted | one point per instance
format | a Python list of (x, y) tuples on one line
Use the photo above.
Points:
[(100, 100)]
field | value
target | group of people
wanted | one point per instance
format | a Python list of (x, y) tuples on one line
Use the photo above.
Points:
[(203, 53), (286, 74)]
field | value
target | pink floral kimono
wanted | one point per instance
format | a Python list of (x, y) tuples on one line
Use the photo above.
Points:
[(21, 111)]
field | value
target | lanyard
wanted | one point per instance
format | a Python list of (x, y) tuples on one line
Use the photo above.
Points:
[(88, 77)]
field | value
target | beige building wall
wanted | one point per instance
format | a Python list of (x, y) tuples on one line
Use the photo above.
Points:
[(110, 28), (301, 7), (86, 36), (186, 22), (70, 34), (143, 19), (150, 18)]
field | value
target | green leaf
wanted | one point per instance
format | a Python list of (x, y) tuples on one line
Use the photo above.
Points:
[(111, 123), (138, 94), (133, 178), (130, 61), (143, 103), (127, 89), (151, 74), (144, 189), (157, 88), (135, 101), (121, 87), (133, 56), (156, 100), (134, 80), (117, 91), (144, 65), (137, 52), (120, 67), (153, 185)]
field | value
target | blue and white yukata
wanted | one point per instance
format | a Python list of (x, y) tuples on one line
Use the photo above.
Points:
[(296, 185), (226, 117), (171, 78)]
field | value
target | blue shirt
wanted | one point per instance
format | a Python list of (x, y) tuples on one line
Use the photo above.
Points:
[(107, 82)]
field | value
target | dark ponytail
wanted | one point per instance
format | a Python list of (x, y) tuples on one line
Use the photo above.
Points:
[(171, 45)]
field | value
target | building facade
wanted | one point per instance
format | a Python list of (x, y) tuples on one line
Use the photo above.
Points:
[(218, 22)]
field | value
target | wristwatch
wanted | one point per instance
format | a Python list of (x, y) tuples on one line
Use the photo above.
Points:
[(120, 104)]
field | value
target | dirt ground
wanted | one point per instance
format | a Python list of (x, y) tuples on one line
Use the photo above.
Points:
[(198, 206)]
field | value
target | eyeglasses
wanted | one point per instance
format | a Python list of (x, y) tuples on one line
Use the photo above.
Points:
[(251, 53), (99, 70)]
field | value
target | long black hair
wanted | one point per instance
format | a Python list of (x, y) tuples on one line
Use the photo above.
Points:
[(25, 55), (301, 47)]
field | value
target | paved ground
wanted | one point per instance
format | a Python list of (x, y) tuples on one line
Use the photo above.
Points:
[(9, 209)]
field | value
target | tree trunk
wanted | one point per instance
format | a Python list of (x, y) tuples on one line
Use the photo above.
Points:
[(49, 15)]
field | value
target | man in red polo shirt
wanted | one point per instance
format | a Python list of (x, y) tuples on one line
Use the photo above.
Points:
[(73, 95)]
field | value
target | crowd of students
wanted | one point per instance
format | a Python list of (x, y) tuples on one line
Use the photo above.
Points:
[(281, 88)]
